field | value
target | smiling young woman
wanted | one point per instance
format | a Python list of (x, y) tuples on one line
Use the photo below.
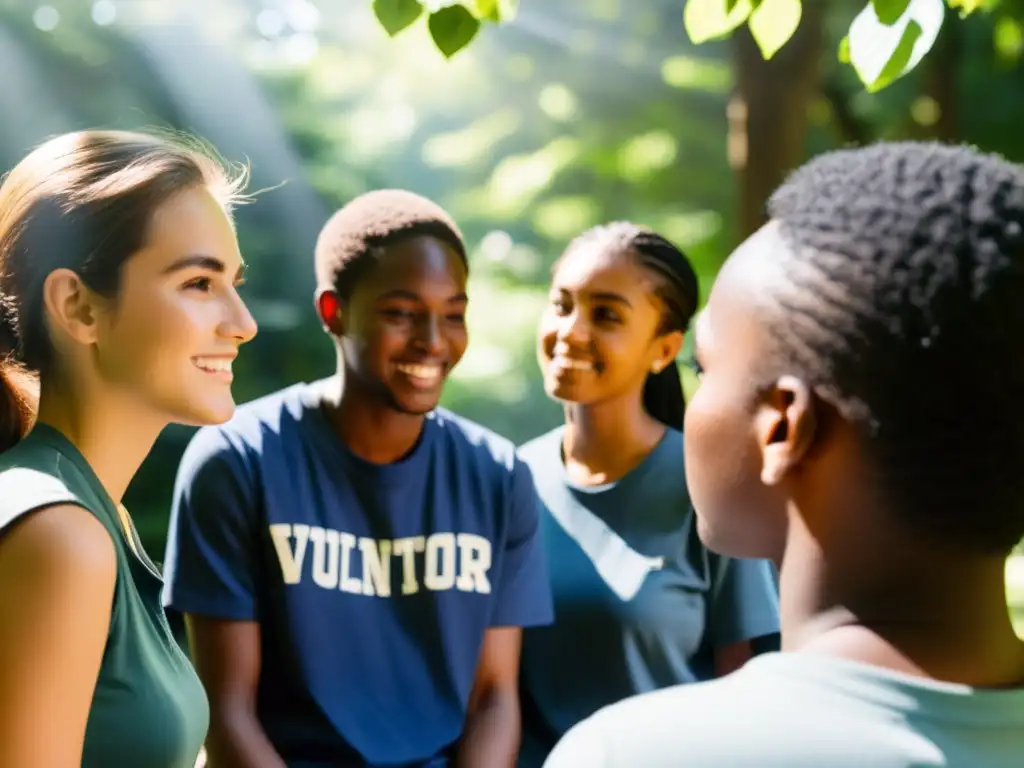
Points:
[(118, 272), (640, 604)]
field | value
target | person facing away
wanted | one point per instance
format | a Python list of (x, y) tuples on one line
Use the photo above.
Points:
[(859, 419), (640, 604), (118, 315), (354, 562)]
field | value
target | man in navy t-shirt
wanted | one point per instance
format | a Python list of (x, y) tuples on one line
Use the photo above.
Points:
[(355, 563)]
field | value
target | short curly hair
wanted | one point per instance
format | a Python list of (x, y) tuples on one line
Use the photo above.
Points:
[(905, 309), (350, 240)]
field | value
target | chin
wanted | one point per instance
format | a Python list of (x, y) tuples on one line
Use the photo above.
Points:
[(563, 391), (206, 414), (716, 539), (733, 538), (415, 406)]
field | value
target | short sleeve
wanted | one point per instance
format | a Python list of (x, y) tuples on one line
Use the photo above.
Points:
[(212, 550), (523, 592), (744, 600), (23, 490)]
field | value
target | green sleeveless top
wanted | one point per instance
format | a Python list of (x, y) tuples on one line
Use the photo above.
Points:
[(149, 709)]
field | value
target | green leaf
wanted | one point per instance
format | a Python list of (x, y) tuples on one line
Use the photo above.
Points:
[(396, 15), (900, 58), (881, 53), (844, 50), (709, 19), (889, 11), (452, 29), (967, 7), (772, 23), (496, 11)]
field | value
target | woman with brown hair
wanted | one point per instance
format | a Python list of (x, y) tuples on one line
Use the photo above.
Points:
[(118, 272)]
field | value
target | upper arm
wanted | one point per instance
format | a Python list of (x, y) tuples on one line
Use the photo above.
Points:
[(226, 655), (744, 600), (212, 544), (58, 570), (523, 592)]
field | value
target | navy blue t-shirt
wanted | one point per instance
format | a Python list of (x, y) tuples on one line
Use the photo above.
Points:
[(373, 584), (640, 603)]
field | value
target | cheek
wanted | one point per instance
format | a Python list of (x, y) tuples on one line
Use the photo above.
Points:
[(723, 466), (378, 344), (154, 337), (176, 322), (623, 356), (547, 335), (458, 340)]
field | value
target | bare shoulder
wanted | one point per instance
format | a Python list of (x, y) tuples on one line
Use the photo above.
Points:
[(58, 569), (63, 546)]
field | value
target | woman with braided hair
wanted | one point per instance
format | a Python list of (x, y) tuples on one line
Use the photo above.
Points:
[(640, 604), (859, 421)]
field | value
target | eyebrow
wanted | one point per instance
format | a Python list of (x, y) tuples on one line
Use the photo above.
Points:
[(609, 296), (201, 261), (402, 293)]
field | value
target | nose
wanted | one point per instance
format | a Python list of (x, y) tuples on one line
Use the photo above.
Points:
[(574, 328), (428, 335), (239, 324)]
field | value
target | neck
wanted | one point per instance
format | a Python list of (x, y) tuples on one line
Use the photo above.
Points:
[(604, 441), (896, 605), (113, 435), (372, 430)]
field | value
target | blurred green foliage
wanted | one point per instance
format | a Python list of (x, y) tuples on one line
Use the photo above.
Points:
[(575, 113)]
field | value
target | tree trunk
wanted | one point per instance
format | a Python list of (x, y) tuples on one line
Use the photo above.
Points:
[(941, 76), (768, 112)]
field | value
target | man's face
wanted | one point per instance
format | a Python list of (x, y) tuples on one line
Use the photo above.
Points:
[(404, 326), (737, 513)]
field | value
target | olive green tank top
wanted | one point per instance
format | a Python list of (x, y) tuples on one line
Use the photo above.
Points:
[(149, 709)]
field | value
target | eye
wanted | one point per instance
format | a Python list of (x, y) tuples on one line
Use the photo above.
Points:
[(559, 304), (396, 313), (457, 317), (607, 315), (201, 284)]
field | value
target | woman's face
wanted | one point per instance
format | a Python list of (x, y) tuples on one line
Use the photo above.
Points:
[(169, 338), (600, 336)]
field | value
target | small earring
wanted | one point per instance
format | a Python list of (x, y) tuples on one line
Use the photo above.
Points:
[(656, 368)]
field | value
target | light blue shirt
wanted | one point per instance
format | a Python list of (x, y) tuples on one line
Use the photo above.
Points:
[(640, 604), (793, 710)]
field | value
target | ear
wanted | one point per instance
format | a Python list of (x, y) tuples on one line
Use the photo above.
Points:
[(786, 424), (328, 309), (666, 349), (71, 308)]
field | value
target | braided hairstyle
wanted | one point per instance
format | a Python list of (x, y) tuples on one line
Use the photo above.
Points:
[(905, 310), (676, 286)]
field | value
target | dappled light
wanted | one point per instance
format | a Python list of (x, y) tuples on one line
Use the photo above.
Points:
[(565, 116)]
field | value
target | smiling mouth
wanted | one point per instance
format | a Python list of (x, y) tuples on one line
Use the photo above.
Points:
[(421, 376), (560, 363), (216, 366)]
